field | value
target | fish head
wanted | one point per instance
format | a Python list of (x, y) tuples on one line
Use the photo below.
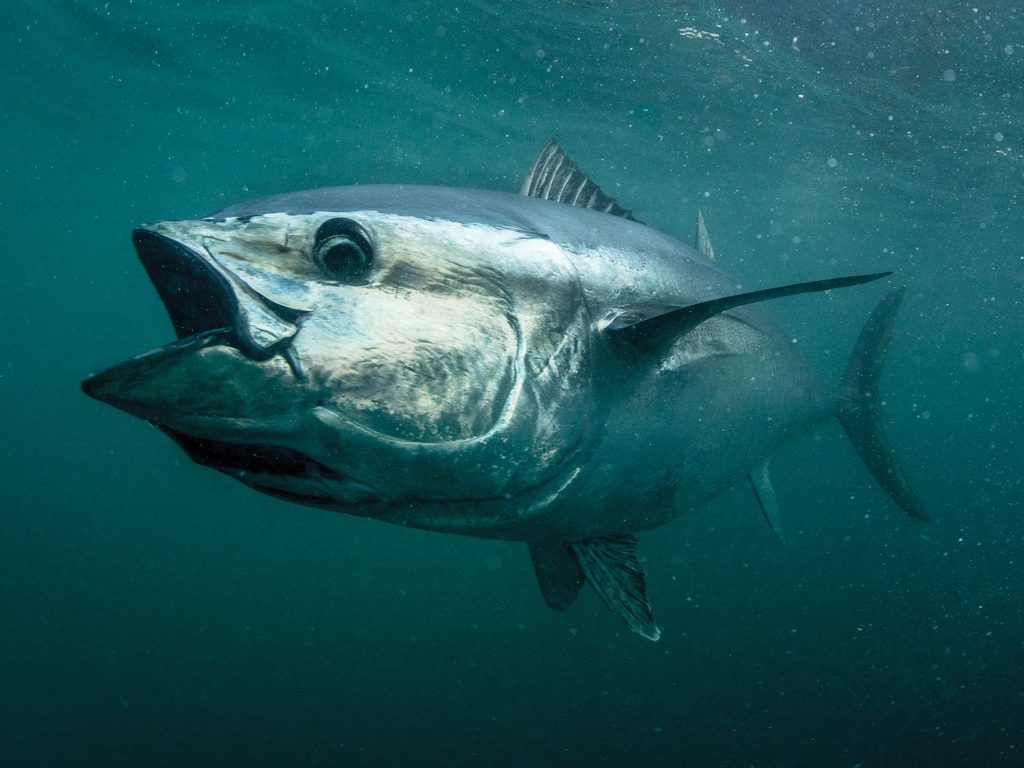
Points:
[(384, 364)]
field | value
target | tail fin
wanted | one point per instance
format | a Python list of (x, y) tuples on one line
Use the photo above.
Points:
[(860, 412)]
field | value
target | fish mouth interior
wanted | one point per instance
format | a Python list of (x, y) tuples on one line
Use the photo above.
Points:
[(269, 468), (248, 457), (196, 297)]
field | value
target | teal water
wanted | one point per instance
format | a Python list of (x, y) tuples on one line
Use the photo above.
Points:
[(157, 613)]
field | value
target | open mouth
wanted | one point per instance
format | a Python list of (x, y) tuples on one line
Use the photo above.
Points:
[(201, 296), (207, 305), (210, 307), (276, 470), (199, 301), (197, 298)]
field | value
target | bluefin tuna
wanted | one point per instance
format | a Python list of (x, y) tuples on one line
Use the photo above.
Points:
[(540, 367)]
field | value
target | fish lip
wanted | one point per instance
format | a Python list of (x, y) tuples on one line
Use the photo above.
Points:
[(280, 470), (251, 461), (94, 384)]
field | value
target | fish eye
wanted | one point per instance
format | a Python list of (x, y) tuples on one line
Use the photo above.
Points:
[(343, 251)]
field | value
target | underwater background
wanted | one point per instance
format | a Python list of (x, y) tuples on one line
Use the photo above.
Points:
[(153, 612)]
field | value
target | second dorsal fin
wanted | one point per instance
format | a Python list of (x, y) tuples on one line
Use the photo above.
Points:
[(701, 241), (553, 176)]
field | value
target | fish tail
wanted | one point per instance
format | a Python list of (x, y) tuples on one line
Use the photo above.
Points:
[(860, 412)]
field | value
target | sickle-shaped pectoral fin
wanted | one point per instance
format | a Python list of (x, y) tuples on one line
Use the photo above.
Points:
[(649, 327)]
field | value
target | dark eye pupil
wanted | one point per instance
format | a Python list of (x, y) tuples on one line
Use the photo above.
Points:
[(344, 251), (342, 259)]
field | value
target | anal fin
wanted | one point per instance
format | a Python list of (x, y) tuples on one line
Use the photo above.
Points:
[(761, 483), (558, 572), (612, 567)]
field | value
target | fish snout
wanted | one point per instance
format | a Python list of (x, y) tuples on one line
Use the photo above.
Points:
[(232, 359)]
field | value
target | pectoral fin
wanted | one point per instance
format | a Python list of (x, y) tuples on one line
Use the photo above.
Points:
[(612, 567), (761, 483), (647, 327)]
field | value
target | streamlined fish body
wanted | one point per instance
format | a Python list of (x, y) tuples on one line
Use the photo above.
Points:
[(538, 367)]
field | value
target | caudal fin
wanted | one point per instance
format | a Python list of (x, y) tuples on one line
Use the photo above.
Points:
[(860, 412)]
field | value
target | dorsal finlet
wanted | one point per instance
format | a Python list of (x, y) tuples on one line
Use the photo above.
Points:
[(554, 176), (701, 241)]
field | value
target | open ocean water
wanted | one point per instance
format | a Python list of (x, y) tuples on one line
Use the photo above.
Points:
[(154, 612)]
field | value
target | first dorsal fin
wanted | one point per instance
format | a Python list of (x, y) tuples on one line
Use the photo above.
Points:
[(553, 176)]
